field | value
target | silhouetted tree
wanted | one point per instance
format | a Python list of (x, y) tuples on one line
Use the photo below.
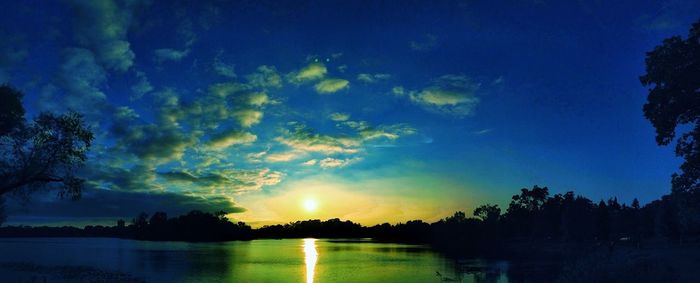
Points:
[(635, 204), (141, 221), (158, 218), (46, 151), (488, 212), (3, 216), (523, 211), (603, 222), (673, 73)]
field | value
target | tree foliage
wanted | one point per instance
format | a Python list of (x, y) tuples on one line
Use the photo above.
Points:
[(673, 75), (47, 150)]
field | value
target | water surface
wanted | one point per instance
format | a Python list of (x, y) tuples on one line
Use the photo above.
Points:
[(289, 260)]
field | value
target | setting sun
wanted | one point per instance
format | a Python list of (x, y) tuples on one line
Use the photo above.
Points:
[(310, 205)]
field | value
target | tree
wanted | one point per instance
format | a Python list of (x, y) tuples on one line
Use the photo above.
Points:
[(673, 73), (3, 215), (49, 150), (488, 212)]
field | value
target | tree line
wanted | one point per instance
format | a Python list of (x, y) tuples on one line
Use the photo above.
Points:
[(533, 218)]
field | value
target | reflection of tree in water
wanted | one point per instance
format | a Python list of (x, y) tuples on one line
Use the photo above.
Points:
[(478, 270)]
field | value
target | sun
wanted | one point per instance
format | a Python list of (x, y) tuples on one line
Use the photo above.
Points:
[(310, 205)]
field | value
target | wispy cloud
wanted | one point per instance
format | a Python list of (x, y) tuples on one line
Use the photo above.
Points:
[(339, 117), (142, 86), (372, 78), (335, 163), (169, 54), (311, 72), (229, 138), (331, 85), (265, 77), (449, 94), (427, 42), (102, 26)]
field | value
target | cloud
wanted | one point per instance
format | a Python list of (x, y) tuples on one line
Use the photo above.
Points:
[(331, 85), (282, 156), (335, 163), (81, 76), (224, 70), (168, 54), (313, 71), (306, 141), (226, 89), (255, 157), (310, 162), (449, 94), (102, 25), (12, 53), (482, 132), (157, 143), (229, 138), (105, 206), (428, 42), (389, 132), (257, 99), (265, 77), (247, 117), (302, 140), (398, 91), (227, 181), (339, 117), (372, 78), (142, 87), (224, 181)]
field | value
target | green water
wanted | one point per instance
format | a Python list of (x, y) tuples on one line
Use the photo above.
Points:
[(290, 260)]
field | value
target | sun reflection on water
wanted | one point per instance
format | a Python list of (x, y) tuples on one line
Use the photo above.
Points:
[(310, 258)]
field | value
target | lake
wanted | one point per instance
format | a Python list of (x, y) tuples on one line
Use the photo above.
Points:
[(288, 260)]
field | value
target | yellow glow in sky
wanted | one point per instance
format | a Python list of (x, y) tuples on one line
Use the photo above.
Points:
[(369, 202), (310, 205)]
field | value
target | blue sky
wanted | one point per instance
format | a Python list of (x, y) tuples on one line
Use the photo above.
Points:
[(379, 111)]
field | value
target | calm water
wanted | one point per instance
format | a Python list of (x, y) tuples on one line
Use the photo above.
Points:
[(291, 260)]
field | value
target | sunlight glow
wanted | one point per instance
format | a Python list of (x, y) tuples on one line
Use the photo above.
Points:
[(310, 205), (310, 258)]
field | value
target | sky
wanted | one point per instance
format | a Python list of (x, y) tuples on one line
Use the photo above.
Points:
[(374, 111)]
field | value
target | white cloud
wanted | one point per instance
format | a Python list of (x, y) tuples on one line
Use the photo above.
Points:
[(331, 85), (81, 77), (372, 78), (142, 87), (335, 163), (449, 94), (224, 70), (257, 99), (229, 138), (313, 71), (248, 117), (226, 89), (398, 91), (102, 25), (304, 141), (310, 162), (428, 42), (282, 156), (265, 77), (339, 117), (224, 181), (168, 54)]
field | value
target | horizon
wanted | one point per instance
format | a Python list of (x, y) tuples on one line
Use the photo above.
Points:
[(382, 115)]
